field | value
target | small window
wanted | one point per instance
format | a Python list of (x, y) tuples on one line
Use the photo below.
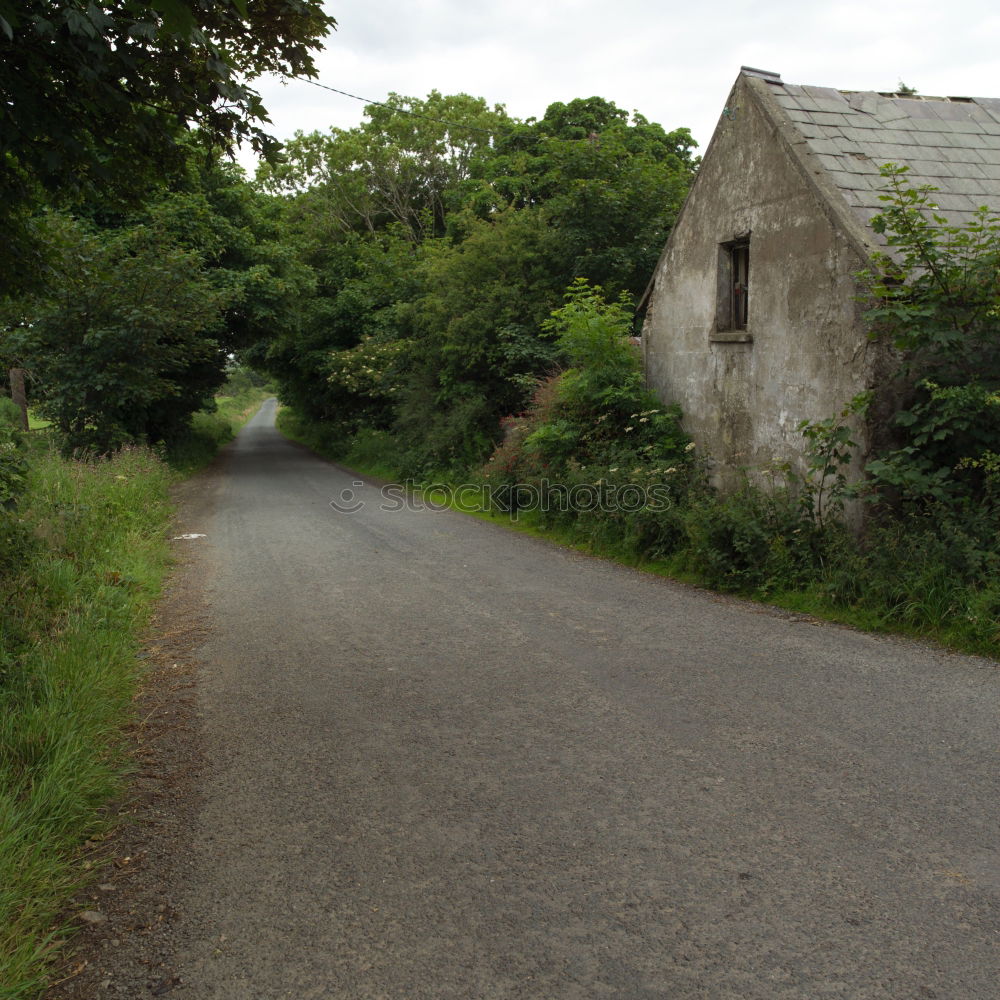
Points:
[(733, 307)]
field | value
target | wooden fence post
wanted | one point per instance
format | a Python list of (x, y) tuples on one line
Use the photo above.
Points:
[(18, 395)]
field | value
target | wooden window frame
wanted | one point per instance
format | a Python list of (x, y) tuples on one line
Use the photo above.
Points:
[(733, 294)]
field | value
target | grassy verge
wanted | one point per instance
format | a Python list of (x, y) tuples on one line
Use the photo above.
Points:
[(82, 559), (875, 598), (85, 556), (901, 582), (210, 430), (369, 452)]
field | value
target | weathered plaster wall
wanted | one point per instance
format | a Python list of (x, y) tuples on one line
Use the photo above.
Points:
[(808, 357)]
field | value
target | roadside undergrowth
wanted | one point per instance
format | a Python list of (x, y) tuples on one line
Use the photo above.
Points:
[(372, 453), (83, 555), (86, 554)]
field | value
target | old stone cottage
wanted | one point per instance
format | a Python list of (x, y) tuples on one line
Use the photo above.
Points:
[(753, 322)]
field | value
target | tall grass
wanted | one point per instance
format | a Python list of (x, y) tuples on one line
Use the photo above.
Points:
[(82, 557), (91, 555)]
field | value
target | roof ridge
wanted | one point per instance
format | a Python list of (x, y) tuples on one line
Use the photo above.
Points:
[(901, 96)]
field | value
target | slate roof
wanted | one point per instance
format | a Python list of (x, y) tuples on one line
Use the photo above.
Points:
[(952, 143)]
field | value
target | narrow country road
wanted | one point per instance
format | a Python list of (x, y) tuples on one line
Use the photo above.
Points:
[(449, 761)]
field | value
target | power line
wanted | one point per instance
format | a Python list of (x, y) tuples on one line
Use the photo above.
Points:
[(593, 138), (396, 108)]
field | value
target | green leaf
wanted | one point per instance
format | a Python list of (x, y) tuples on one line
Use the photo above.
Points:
[(178, 17)]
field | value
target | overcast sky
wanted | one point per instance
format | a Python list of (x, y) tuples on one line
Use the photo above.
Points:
[(673, 62)]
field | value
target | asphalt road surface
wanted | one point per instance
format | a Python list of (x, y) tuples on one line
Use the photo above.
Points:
[(450, 761)]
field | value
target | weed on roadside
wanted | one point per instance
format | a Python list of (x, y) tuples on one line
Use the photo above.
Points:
[(70, 613)]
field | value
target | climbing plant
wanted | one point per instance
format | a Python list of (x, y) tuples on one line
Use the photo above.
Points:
[(936, 299)]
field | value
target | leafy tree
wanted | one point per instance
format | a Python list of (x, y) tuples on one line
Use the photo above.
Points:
[(358, 312), (477, 350), (403, 165), (936, 297), (123, 341), (249, 255), (609, 186), (93, 96), (586, 192), (498, 227), (218, 234)]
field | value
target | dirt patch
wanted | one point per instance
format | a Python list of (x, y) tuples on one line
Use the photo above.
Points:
[(126, 915)]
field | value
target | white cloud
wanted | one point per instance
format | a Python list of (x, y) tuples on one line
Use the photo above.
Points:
[(672, 62)]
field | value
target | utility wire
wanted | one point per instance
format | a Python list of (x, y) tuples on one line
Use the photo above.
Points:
[(394, 107), (593, 138)]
